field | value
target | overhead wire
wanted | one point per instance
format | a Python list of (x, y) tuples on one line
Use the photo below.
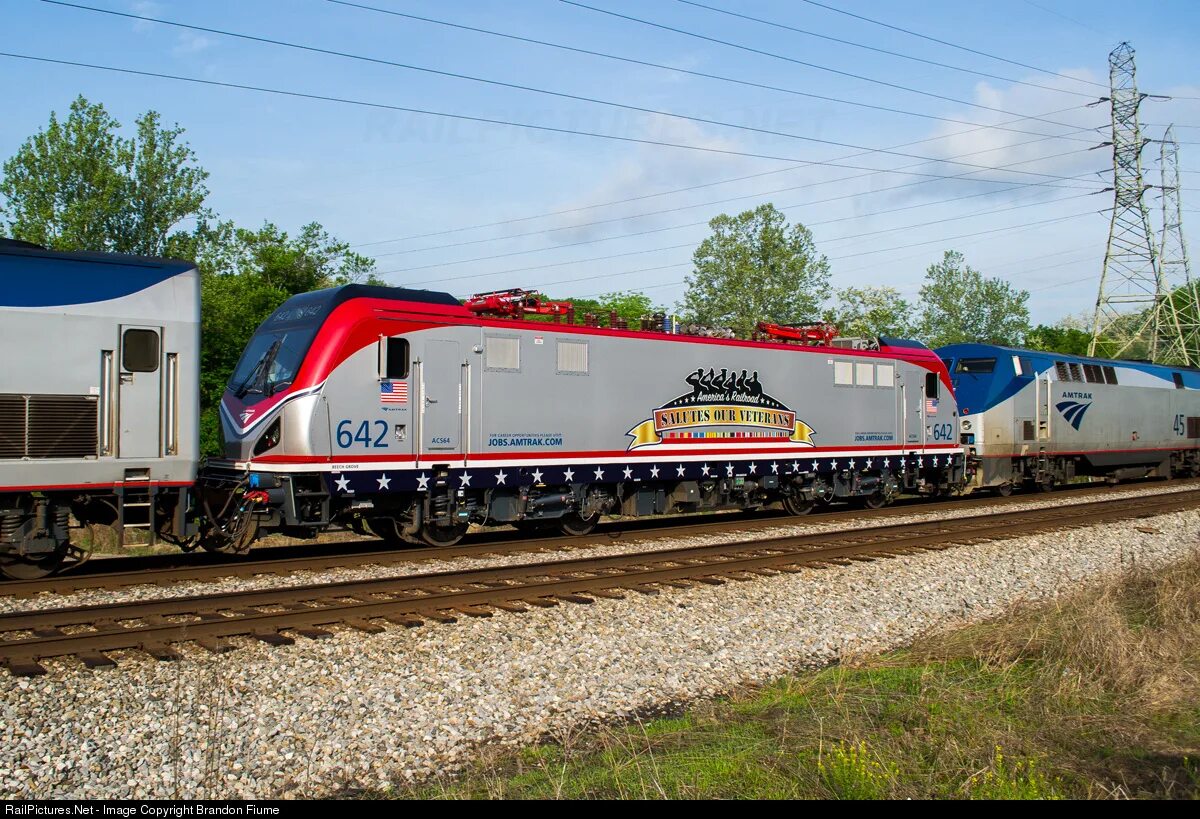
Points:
[(512, 86)]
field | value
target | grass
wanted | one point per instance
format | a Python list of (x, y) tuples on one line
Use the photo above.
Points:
[(1093, 696)]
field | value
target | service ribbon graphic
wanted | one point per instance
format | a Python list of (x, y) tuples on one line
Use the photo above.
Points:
[(722, 405)]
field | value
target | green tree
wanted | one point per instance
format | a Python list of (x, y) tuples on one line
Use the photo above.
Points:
[(962, 305), (755, 267), (871, 312), (629, 305), (1058, 339), (79, 185)]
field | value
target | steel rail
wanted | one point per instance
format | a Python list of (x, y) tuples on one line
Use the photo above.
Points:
[(209, 620), (180, 568)]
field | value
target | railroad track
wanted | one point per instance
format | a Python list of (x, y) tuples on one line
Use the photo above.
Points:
[(166, 570), (156, 627)]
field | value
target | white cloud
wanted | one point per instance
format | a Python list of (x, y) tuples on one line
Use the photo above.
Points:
[(191, 43)]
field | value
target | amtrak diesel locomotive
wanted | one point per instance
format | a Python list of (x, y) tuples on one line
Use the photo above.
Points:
[(1039, 419), (98, 399), (415, 415)]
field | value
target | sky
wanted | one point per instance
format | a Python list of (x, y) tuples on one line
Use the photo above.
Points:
[(999, 156)]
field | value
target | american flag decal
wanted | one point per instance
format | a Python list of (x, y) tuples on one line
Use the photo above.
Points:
[(931, 406), (393, 392)]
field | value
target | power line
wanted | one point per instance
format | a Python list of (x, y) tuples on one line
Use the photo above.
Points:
[(951, 45), (463, 117), (701, 186), (786, 27), (692, 245), (512, 86), (749, 196), (690, 72), (1013, 228), (653, 231), (796, 61), (1065, 17)]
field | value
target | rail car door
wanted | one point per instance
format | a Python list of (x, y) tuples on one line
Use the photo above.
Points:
[(441, 401), (140, 393)]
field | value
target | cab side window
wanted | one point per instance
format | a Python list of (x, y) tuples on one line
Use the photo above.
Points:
[(931, 385), (139, 351), (394, 359)]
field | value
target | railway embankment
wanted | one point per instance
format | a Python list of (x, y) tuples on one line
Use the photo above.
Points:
[(1090, 695), (397, 709)]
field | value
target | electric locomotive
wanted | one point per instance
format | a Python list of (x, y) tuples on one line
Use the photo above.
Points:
[(411, 414), (1038, 419), (98, 399)]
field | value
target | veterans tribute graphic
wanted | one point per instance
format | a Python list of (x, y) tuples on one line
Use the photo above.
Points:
[(722, 405)]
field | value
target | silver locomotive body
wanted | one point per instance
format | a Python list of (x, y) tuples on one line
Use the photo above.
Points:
[(405, 411), (98, 397)]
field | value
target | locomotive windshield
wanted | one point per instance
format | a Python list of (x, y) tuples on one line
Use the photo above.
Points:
[(277, 349), (271, 361)]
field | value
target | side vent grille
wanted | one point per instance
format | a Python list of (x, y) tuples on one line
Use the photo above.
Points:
[(48, 426), (12, 426)]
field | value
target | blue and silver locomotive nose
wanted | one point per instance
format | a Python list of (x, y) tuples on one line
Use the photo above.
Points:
[(1037, 418)]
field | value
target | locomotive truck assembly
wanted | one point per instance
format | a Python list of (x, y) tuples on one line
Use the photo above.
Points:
[(412, 415)]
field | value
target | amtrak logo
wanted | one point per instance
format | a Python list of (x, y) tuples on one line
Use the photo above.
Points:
[(246, 416), (1073, 411)]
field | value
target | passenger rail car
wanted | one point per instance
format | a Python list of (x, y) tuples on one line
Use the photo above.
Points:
[(413, 415), (1039, 419), (98, 398)]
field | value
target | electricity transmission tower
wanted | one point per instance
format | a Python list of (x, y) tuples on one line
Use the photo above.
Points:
[(1134, 315), (1172, 251)]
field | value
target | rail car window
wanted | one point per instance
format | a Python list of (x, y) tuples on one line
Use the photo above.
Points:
[(885, 376), (502, 353), (1178, 379), (931, 385), (139, 351), (1110, 375), (395, 359), (976, 365), (1193, 427), (864, 374), (572, 357), (843, 373)]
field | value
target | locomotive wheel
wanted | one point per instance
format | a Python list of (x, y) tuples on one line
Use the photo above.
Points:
[(390, 531), (23, 568), (443, 536), (575, 525), (876, 500), (219, 542), (1004, 490), (1045, 486), (795, 505)]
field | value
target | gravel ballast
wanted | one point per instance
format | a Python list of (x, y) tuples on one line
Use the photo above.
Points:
[(628, 544), (362, 710)]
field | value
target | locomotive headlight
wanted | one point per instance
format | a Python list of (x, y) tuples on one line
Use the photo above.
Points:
[(269, 439), (966, 425)]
